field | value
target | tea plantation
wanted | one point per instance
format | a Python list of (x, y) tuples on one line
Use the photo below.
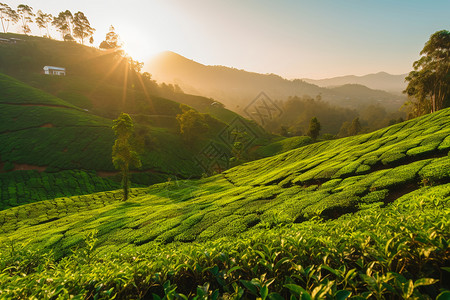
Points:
[(41, 132), (22, 187), (363, 217)]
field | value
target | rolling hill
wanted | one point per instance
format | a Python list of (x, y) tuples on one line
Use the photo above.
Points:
[(237, 88), (53, 125), (379, 81), (42, 135), (339, 217)]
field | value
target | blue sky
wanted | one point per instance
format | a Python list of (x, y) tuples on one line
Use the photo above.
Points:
[(295, 39)]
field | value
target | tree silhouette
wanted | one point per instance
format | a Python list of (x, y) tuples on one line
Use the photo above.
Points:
[(82, 28), (355, 127), (314, 128), (123, 154), (64, 22), (43, 20), (7, 16), (111, 41), (26, 16)]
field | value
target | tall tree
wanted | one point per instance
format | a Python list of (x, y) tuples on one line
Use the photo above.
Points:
[(64, 23), (43, 21), (192, 125), (355, 127), (7, 16), (111, 41), (82, 28), (123, 154), (429, 83), (314, 128), (26, 16)]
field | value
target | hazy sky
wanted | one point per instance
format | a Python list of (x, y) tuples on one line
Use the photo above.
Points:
[(295, 39)]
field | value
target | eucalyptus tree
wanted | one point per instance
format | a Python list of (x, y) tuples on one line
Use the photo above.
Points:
[(26, 16), (64, 23), (82, 28), (43, 21), (8, 16), (429, 83)]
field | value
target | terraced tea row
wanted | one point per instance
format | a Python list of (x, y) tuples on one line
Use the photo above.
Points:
[(22, 187), (406, 142), (394, 252), (210, 208)]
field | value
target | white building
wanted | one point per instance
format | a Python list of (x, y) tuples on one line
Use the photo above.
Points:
[(49, 70)]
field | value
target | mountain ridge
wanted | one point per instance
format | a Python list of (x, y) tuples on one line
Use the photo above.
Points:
[(384, 81), (236, 87)]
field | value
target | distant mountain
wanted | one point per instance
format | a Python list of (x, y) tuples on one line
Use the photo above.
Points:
[(379, 81), (237, 88)]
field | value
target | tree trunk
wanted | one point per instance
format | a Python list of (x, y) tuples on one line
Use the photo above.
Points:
[(125, 182)]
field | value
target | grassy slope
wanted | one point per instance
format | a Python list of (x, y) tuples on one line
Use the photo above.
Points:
[(325, 179)]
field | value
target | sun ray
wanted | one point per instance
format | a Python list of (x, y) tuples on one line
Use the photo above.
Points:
[(107, 75), (125, 83), (147, 95)]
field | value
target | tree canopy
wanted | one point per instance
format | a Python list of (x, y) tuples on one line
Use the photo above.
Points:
[(314, 128), (64, 22), (82, 28), (192, 124), (25, 14), (43, 20), (429, 83), (123, 154), (7, 16), (111, 41)]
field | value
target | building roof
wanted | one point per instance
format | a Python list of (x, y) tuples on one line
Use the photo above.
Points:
[(54, 68)]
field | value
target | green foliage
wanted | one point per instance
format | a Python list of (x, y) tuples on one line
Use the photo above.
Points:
[(16, 92), (314, 128), (283, 145), (192, 125), (392, 252), (123, 154), (22, 187), (298, 112), (429, 82), (360, 216), (355, 127)]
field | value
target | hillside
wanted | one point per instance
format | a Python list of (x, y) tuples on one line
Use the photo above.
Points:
[(237, 88), (101, 81), (42, 135), (331, 177), (394, 183), (379, 81), (51, 124)]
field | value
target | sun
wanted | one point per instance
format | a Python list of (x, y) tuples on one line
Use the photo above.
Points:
[(138, 47)]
